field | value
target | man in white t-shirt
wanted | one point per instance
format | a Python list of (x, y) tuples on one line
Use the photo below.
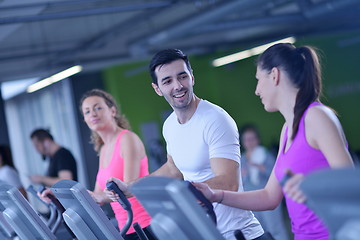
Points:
[(201, 139)]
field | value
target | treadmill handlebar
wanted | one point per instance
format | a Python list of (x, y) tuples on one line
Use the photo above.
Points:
[(123, 199)]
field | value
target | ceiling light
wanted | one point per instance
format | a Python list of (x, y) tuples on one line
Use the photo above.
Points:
[(54, 78), (12, 88), (248, 53)]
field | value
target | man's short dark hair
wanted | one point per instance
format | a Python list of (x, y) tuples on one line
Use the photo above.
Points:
[(41, 134), (164, 57)]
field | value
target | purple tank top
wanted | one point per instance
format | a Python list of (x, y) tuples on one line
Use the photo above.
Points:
[(302, 158)]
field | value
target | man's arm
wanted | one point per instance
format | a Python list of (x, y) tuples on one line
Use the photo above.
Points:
[(226, 173), (168, 169), (49, 181)]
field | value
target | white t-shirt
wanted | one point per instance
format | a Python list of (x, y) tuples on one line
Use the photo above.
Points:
[(210, 133), (258, 156), (10, 176)]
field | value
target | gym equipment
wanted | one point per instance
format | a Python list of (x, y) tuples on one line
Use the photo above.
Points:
[(206, 204), (55, 208), (124, 202), (334, 195), (20, 215), (6, 231), (55, 218), (176, 213), (83, 215)]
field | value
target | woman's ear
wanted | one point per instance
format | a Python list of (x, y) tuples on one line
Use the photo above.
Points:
[(113, 111), (275, 75)]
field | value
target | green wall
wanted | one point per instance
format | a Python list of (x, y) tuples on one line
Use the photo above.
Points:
[(134, 94), (341, 74), (232, 87)]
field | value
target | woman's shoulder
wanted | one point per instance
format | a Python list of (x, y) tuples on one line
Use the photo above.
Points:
[(321, 121), (320, 114), (130, 137), (7, 170)]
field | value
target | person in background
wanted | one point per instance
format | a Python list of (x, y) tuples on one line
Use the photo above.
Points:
[(121, 154), (256, 166), (8, 172), (62, 164), (289, 81)]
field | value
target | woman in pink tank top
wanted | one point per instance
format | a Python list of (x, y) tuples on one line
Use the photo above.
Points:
[(121, 154), (289, 82)]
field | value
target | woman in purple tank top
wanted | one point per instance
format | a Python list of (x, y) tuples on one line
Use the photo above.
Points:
[(289, 82)]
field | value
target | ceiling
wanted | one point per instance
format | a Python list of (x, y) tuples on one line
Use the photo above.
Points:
[(39, 38)]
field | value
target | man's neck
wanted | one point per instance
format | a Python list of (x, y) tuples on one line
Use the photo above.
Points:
[(184, 115), (54, 148)]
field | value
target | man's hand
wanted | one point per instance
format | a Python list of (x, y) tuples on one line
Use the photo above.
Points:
[(44, 195)]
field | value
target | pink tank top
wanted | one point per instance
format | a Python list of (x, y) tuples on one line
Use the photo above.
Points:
[(116, 169), (302, 158)]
